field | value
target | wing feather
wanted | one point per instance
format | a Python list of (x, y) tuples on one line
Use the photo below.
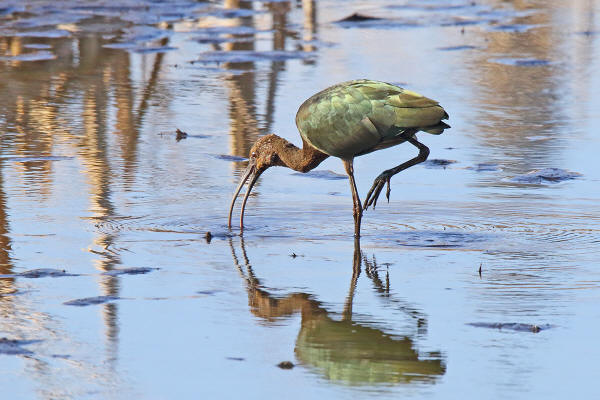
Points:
[(360, 116)]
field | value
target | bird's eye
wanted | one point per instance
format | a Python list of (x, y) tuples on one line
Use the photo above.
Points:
[(253, 155), (274, 158)]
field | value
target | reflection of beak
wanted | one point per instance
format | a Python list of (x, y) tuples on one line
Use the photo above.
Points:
[(251, 173)]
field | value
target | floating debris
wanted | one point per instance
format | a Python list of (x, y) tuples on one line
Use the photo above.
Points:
[(357, 17), (511, 326), (180, 135), (129, 271), (89, 301), (236, 358), (546, 175), (366, 21), (286, 365)]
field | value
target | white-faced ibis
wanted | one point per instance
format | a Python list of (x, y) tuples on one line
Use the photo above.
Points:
[(348, 120)]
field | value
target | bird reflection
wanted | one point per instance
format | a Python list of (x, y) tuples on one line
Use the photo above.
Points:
[(345, 351), (6, 285)]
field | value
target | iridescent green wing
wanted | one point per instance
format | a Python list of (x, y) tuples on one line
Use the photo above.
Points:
[(335, 120), (356, 117), (413, 110)]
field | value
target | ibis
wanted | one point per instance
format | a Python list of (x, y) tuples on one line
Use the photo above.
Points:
[(345, 121)]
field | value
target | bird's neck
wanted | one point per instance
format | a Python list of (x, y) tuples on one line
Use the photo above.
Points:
[(301, 160)]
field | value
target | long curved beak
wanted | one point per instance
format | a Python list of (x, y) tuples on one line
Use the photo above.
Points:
[(251, 175)]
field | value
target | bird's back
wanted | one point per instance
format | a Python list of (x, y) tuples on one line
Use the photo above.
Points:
[(360, 116)]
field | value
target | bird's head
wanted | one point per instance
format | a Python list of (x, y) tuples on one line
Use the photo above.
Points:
[(262, 156)]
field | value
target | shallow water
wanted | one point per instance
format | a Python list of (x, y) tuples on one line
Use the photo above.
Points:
[(480, 277)]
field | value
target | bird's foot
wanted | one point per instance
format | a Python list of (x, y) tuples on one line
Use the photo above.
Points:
[(376, 189)]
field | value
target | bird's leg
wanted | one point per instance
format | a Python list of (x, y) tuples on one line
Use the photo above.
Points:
[(357, 210), (386, 175)]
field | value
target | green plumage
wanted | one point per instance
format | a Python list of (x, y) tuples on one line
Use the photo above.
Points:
[(361, 116)]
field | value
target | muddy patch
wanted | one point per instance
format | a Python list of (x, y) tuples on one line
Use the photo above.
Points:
[(129, 271), (358, 17), (357, 20), (485, 167), (522, 62), (89, 301), (244, 56), (438, 163), (514, 28), (546, 175), (50, 34), (42, 55), (511, 326), (458, 48), (44, 273), (15, 346)]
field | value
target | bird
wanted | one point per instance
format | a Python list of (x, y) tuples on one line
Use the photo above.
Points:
[(348, 120)]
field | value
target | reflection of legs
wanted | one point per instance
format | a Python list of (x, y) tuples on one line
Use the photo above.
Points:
[(373, 273), (386, 175), (347, 313), (357, 210)]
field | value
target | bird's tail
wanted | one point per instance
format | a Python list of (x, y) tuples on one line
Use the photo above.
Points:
[(436, 129)]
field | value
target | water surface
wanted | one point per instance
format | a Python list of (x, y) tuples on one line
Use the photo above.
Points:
[(479, 278)]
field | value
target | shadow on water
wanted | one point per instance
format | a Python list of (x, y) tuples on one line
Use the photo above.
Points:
[(342, 350)]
